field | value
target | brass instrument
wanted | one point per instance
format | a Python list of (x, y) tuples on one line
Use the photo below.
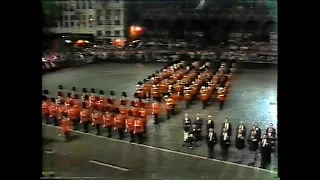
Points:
[(126, 125)]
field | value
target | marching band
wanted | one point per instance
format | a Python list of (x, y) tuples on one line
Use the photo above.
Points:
[(161, 93)]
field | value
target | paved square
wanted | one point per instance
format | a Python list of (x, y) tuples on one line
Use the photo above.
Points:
[(252, 99)]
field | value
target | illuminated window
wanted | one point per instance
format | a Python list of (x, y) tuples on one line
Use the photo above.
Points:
[(117, 33)]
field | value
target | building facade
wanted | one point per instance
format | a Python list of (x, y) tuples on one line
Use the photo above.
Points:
[(103, 20), (210, 19)]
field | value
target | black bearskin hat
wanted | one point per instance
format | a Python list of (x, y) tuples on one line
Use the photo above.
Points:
[(60, 87), (84, 90), (73, 89), (46, 92), (69, 95), (124, 94), (101, 92), (112, 93), (93, 90)]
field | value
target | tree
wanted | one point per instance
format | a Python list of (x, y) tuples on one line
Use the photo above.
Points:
[(51, 12)]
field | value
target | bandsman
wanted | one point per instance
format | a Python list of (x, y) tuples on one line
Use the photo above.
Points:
[(62, 109), (138, 129), (69, 100), (169, 107), (77, 100), (53, 112), (123, 100), (74, 115), (143, 112), (204, 97), (108, 119), (221, 98), (187, 97), (130, 126), (85, 117), (59, 98), (123, 110), (73, 90), (119, 123), (84, 92), (97, 120), (156, 111), (134, 109), (66, 126), (45, 109)]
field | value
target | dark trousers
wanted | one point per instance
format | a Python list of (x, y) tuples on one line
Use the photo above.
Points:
[(188, 103), (198, 135), (210, 150), (204, 104), (139, 137), (221, 104), (46, 118), (109, 129), (75, 123), (190, 141), (67, 136), (54, 120), (265, 160), (121, 133), (131, 136), (156, 118), (98, 126), (169, 113), (86, 126)]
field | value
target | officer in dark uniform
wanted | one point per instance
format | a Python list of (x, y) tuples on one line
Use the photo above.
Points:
[(271, 135), (265, 150), (191, 140), (227, 125), (186, 128), (46, 92), (198, 122), (210, 123), (225, 143), (211, 142)]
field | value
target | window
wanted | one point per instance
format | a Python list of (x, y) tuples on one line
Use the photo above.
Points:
[(108, 12), (65, 17), (99, 33), (117, 12), (117, 22), (90, 20), (66, 24), (84, 18), (83, 5), (107, 17), (71, 23), (117, 33), (56, 24), (108, 33), (71, 7), (84, 23), (78, 23), (108, 22), (90, 4), (74, 17), (78, 4)]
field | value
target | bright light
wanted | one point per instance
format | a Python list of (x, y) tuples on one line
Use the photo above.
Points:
[(138, 28), (86, 41), (68, 41), (118, 40)]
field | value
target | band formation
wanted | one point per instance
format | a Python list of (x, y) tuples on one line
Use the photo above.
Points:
[(159, 96)]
